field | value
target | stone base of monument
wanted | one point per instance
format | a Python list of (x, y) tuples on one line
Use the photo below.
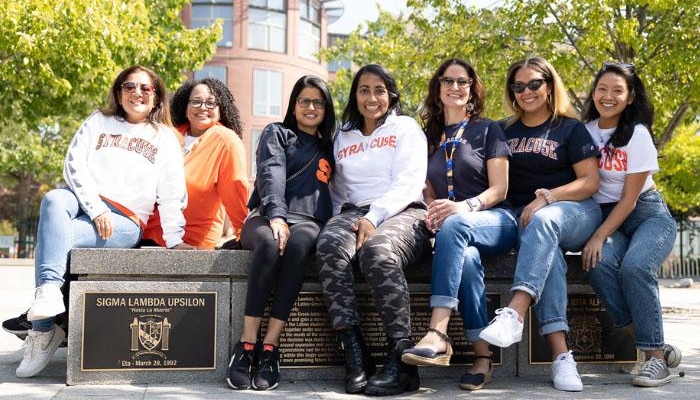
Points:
[(159, 316)]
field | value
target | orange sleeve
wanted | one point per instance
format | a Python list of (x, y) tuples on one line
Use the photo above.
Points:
[(232, 185)]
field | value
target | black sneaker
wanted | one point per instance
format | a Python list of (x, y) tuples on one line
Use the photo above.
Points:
[(268, 375), (240, 368), (18, 326)]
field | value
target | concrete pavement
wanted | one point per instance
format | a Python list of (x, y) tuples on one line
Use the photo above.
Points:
[(681, 325)]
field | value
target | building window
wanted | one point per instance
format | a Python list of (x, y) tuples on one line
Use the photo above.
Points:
[(309, 29), (212, 71), (206, 12), (254, 141), (267, 25), (267, 93)]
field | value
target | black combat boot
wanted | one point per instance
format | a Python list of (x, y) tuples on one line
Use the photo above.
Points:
[(358, 360), (395, 377)]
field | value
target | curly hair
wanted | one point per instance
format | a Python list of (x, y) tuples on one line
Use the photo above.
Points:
[(432, 109), (159, 113), (230, 117), (639, 111)]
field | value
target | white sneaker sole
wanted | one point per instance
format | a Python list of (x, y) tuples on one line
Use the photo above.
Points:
[(498, 341), (56, 341)]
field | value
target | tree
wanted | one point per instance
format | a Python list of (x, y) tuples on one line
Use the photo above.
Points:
[(679, 165), (57, 60), (660, 37)]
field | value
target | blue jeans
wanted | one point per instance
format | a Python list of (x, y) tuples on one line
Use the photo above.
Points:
[(540, 269), (625, 280), (63, 226), (457, 273)]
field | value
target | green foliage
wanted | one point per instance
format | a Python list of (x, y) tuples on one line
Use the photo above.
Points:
[(661, 37), (57, 61), (680, 167)]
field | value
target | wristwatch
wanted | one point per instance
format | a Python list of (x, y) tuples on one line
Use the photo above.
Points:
[(474, 204)]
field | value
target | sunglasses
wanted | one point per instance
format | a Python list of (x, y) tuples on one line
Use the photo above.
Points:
[(533, 85), (617, 64), (306, 103), (461, 82), (130, 87), (209, 104)]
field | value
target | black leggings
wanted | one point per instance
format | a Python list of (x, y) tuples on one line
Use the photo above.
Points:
[(268, 269)]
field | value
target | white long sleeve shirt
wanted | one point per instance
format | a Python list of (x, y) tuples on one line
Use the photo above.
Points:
[(385, 170), (133, 165)]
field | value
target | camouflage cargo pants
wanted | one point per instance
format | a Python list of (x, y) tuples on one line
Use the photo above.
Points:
[(398, 242)]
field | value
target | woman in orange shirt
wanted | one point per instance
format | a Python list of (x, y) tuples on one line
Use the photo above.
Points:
[(205, 113)]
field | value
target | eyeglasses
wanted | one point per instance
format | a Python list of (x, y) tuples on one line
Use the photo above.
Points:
[(519, 87), (130, 87), (617, 64), (306, 103), (461, 82), (209, 104)]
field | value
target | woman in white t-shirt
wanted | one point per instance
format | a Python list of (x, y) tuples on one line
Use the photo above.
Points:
[(638, 232)]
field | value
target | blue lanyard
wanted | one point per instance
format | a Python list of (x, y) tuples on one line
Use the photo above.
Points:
[(455, 141)]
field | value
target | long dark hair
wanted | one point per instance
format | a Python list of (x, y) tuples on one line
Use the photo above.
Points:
[(229, 116), (639, 111), (327, 127), (159, 113), (352, 118), (432, 110)]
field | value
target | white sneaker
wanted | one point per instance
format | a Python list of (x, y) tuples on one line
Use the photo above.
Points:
[(48, 302), (39, 348), (504, 330), (672, 355), (564, 373)]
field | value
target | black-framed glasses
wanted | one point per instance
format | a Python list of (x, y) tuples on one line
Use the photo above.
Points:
[(533, 85), (306, 103), (446, 81), (130, 87), (618, 64), (208, 104)]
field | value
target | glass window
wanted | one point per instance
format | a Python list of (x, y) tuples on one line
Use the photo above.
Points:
[(310, 29), (206, 12), (267, 93), (254, 140), (212, 71), (267, 25)]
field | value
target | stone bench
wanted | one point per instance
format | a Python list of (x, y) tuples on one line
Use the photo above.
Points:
[(153, 315)]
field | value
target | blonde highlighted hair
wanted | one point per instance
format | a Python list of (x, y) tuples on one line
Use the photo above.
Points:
[(559, 103)]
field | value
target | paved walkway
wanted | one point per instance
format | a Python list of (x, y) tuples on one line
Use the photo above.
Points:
[(681, 324)]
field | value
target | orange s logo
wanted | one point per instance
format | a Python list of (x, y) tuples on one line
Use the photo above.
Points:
[(323, 173)]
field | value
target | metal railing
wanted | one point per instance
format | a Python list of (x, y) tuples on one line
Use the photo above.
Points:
[(687, 267)]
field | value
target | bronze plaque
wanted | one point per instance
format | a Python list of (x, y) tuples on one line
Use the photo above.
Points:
[(149, 331), (308, 339), (592, 336)]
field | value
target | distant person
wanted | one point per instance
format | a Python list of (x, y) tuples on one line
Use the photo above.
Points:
[(625, 253), (381, 163), (553, 174), (124, 159), (205, 113), (290, 204), (466, 188)]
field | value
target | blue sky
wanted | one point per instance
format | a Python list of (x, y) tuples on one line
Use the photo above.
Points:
[(358, 11)]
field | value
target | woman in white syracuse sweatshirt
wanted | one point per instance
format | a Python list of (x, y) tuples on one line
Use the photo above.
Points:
[(381, 163), (122, 161)]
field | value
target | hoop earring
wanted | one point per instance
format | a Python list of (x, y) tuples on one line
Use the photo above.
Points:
[(470, 107), (549, 103), (515, 105)]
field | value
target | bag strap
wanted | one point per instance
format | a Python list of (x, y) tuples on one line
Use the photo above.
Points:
[(294, 175)]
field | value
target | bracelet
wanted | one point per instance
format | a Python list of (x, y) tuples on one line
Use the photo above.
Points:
[(475, 204), (547, 194), (279, 223)]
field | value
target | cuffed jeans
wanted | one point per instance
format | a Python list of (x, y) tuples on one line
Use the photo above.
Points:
[(63, 226), (625, 279), (457, 273), (541, 266)]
